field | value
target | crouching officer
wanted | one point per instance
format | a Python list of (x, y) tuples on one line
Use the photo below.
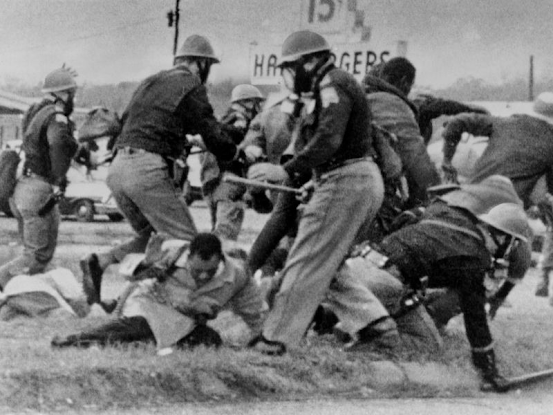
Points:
[(456, 246), (49, 147)]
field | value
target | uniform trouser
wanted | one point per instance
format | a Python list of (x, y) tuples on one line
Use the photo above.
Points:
[(343, 200), (363, 293), (227, 210), (282, 222), (39, 234), (145, 193)]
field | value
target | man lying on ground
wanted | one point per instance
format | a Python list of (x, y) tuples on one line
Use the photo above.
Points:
[(176, 287)]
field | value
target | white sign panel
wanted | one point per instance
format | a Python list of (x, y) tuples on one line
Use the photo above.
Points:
[(356, 58), (324, 16)]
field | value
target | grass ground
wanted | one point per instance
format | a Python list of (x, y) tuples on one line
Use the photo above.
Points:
[(34, 376)]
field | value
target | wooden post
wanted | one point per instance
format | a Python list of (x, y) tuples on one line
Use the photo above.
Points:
[(177, 18), (531, 80)]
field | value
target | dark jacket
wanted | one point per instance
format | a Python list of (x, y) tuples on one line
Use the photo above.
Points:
[(449, 258), (392, 111), (167, 106), (520, 148), (48, 141), (334, 127)]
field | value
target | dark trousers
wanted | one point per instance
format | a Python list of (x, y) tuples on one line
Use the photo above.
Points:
[(133, 329)]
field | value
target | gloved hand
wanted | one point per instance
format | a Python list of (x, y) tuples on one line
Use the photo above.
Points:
[(253, 153), (267, 172), (491, 379), (306, 192), (450, 172)]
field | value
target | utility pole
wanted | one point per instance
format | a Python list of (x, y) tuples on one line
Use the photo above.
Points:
[(531, 80), (173, 18)]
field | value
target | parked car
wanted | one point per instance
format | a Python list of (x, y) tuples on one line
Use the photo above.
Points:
[(87, 197), (85, 200)]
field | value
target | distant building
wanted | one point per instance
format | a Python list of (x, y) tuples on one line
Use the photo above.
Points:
[(12, 108)]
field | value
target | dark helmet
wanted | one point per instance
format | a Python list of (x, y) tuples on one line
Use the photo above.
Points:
[(199, 47), (61, 79), (245, 91), (302, 43), (509, 218)]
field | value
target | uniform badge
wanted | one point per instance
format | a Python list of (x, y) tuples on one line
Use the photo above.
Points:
[(329, 96), (61, 118), (326, 80)]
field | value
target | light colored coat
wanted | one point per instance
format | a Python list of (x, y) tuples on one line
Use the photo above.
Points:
[(165, 304)]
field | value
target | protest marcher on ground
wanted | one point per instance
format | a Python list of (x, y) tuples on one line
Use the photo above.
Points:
[(334, 142), (49, 147), (226, 200), (175, 289), (146, 175), (520, 147)]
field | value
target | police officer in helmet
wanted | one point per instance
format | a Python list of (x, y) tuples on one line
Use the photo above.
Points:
[(49, 146), (165, 109)]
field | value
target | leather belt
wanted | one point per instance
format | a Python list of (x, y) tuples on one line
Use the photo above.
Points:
[(333, 165), (30, 173), (130, 150)]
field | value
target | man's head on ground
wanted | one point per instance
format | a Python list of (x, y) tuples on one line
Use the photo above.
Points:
[(197, 54), (60, 84), (204, 257), (400, 73), (303, 54)]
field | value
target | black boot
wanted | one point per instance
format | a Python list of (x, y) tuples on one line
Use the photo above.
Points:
[(491, 379), (92, 278), (324, 321)]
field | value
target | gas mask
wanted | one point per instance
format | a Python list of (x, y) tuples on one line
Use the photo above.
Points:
[(498, 274), (204, 67), (296, 78)]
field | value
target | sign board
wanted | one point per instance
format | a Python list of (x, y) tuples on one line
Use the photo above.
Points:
[(324, 16), (355, 58)]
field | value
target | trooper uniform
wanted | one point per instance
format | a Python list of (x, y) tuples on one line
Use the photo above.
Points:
[(226, 200), (162, 111), (334, 142), (49, 147)]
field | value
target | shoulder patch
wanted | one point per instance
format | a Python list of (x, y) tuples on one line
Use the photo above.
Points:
[(329, 96), (61, 118), (326, 80)]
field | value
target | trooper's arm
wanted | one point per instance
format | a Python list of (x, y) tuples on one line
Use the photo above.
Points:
[(197, 114), (62, 147)]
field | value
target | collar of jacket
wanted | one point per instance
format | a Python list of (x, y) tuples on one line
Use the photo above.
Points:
[(374, 84)]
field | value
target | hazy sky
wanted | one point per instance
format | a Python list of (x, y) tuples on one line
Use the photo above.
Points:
[(109, 41)]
